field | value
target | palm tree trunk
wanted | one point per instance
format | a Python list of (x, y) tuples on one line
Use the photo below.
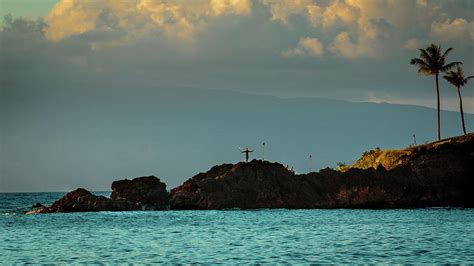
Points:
[(437, 94), (462, 113)]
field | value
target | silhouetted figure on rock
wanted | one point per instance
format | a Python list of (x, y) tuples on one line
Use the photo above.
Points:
[(246, 151)]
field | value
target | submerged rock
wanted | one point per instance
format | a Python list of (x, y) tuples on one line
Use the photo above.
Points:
[(148, 192), (36, 208)]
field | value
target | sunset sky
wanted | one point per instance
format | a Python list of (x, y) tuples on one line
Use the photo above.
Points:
[(353, 50)]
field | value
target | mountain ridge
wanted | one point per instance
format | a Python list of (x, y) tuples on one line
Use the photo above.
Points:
[(93, 136)]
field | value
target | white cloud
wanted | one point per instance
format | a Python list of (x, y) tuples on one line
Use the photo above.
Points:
[(306, 47), (340, 11), (351, 28), (343, 45), (281, 10), (176, 18), (237, 7), (372, 28), (422, 3), (413, 44), (456, 29), (314, 14)]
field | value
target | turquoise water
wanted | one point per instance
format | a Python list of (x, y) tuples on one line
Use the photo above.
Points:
[(260, 236)]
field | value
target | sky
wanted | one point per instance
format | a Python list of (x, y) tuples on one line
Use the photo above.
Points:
[(109, 76), (356, 50)]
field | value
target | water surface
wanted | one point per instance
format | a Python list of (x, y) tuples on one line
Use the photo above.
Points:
[(260, 236)]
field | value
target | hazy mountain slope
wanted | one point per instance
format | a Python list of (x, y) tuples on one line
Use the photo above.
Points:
[(61, 138)]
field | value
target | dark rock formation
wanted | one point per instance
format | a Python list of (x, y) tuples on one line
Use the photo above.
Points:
[(141, 193), (255, 184), (37, 205), (81, 200), (437, 174), (37, 208), (148, 192)]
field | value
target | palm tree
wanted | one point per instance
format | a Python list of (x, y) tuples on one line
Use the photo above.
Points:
[(457, 79), (432, 62)]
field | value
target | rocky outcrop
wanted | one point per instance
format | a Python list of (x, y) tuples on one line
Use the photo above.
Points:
[(141, 193), (148, 192), (37, 206), (81, 200), (437, 174), (255, 184)]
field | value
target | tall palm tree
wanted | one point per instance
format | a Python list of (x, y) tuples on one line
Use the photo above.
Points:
[(432, 62), (457, 79)]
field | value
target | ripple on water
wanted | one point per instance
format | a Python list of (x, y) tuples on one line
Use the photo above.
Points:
[(234, 236)]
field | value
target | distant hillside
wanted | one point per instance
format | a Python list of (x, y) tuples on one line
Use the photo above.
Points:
[(59, 139)]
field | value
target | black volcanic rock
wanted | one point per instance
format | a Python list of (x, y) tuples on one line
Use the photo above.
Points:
[(81, 200), (148, 192), (437, 174), (255, 184), (37, 205), (141, 193)]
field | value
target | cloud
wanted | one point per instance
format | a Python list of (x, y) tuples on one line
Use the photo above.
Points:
[(413, 44), (365, 21), (20, 43), (340, 11), (456, 29), (71, 17), (343, 45), (236, 7), (306, 47), (422, 3), (180, 19), (281, 10), (225, 45), (372, 28), (242, 33), (314, 14), (363, 26)]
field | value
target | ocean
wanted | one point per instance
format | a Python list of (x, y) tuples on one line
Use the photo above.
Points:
[(435, 235)]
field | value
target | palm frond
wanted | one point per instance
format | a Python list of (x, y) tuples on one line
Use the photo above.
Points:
[(418, 62), (423, 67), (424, 55), (446, 52), (453, 78), (468, 78), (434, 51), (457, 77), (426, 71), (432, 60), (449, 66)]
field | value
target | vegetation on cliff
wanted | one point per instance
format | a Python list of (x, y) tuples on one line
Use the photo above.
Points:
[(390, 159)]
